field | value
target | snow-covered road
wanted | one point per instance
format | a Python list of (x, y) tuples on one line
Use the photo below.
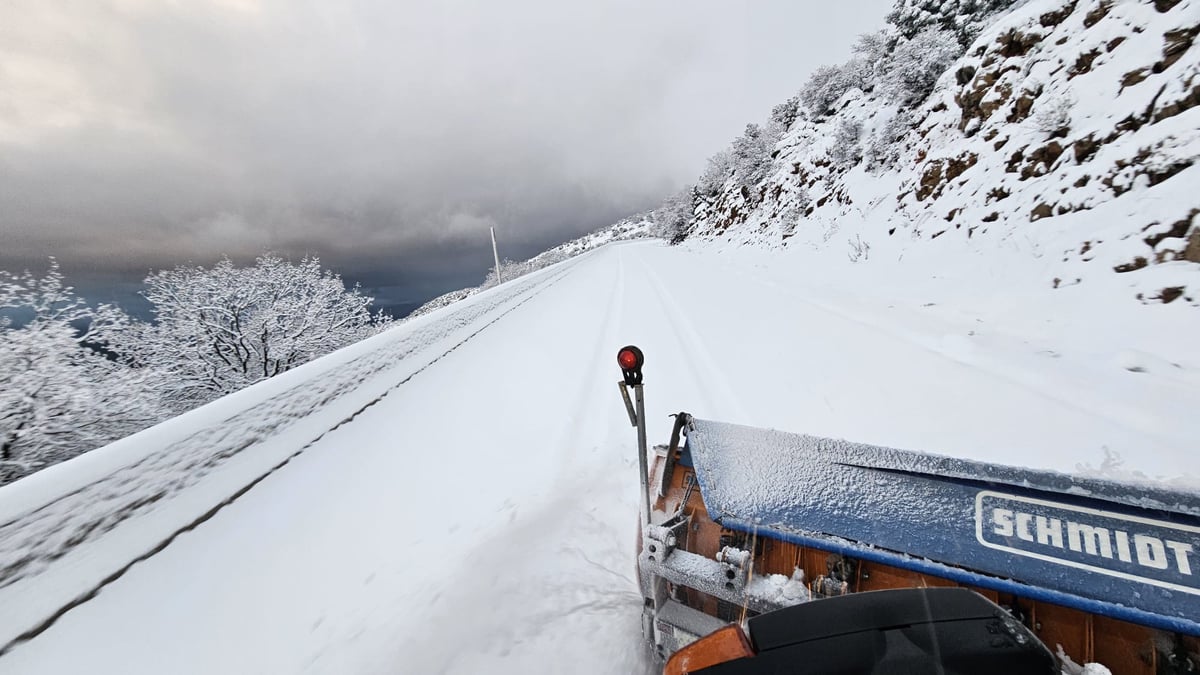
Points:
[(459, 494)]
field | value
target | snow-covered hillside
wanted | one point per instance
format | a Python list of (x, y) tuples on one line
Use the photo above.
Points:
[(459, 494), (1062, 144), (624, 230)]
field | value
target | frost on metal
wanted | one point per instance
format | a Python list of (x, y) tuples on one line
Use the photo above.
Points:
[(760, 475)]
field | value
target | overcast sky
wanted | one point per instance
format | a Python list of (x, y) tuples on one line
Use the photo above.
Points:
[(383, 135)]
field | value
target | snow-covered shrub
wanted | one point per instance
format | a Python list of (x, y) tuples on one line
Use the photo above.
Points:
[(223, 328), (870, 50), (882, 149), (859, 249), (673, 219), (828, 83), (789, 218), (509, 270), (60, 395), (1053, 115), (847, 146), (784, 114), (910, 72), (716, 172), (962, 19), (752, 155)]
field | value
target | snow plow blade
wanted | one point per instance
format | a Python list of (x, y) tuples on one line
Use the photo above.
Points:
[(1087, 544), (747, 521)]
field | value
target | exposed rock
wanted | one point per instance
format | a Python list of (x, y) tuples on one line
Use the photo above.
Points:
[(1114, 43), (997, 194), (1157, 176), (991, 217), (1083, 63), (1022, 107), (991, 105), (930, 180), (1040, 211), (1129, 124), (1178, 229), (1134, 77), (1174, 108), (957, 165), (1042, 159), (1101, 10), (964, 75), (1014, 161), (1085, 148), (1170, 293), (972, 100), (1137, 264), (1050, 19), (1175, 43), (1015, 43), (1192, 252), (1165, 5)]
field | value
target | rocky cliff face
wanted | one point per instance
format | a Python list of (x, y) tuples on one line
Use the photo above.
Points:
[(1069, 129)]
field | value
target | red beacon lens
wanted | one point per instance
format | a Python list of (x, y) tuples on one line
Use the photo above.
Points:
[(627, 359)]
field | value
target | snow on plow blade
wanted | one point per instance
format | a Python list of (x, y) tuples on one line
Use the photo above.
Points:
[(746, 521), (1126, 552), (738, 524)]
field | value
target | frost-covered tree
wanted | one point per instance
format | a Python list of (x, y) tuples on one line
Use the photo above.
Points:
[(59, 395), (752, 155), (674, 216), (828, 83), (882, 149), (1053, 114), (784, 115), (871, 48), (509, 270), (716, 173), (910, 72), (846, 150), (962, 19), (220, 329)]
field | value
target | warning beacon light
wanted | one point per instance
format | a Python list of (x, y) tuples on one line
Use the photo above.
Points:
[(630, 359)]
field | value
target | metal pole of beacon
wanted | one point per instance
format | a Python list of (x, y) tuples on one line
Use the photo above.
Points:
[(630, 359), (496, 257)]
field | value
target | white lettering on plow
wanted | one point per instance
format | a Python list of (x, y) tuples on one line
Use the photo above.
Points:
[(1147, 551)]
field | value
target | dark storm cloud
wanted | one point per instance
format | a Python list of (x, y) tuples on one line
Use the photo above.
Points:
[(384, 136)]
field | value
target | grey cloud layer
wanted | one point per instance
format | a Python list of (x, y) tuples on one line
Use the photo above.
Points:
[(136, 133)]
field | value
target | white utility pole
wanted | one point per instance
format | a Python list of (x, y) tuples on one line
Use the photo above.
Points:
[(495, 255)]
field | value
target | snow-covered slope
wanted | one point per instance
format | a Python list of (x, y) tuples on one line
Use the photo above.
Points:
[(458, 494), (1061, 146), (624, 230)]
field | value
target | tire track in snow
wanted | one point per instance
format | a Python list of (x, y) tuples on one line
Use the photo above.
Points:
[(1082, 399), (692, 346), (95, 527), (558, 567), (542, 593), (606, 339)]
